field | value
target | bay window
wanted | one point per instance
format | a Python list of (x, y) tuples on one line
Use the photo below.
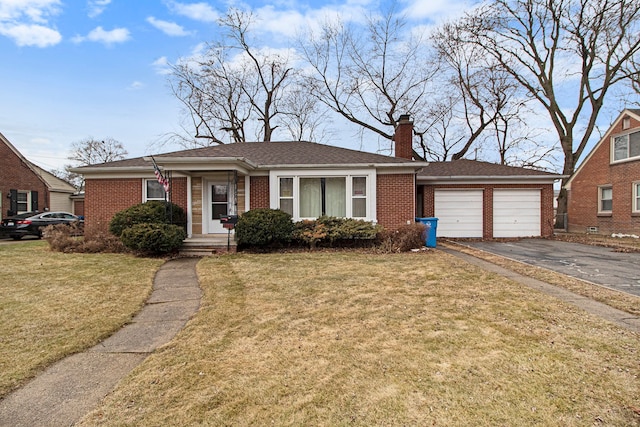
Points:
[(309, 195)]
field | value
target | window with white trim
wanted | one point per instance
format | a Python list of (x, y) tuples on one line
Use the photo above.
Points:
[(24, 201), (605, 199), (636, 197), (152, 190), (626, 146), (309, 195)]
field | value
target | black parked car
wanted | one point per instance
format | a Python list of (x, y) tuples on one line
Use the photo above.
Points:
[(32, 223)]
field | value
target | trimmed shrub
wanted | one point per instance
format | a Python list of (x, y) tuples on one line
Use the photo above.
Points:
[(336, 232), (264, 228), (151, 212), (405, 238), (153, 238)]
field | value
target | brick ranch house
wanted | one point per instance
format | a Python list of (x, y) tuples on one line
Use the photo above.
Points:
[(471, 199), (302, 178), (25, 187), (604, 192)]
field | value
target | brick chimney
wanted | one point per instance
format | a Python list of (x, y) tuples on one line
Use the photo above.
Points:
[(403, 138)]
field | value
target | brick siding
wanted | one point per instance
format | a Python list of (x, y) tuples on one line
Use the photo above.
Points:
[(105, 197), (259, 192), (16, 175), (583, 196), (395, 202)]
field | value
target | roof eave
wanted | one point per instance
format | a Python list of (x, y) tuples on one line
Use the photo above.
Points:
[(476, 178)]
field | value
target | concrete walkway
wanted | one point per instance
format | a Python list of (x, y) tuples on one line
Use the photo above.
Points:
[(69, 389), (619, 317)]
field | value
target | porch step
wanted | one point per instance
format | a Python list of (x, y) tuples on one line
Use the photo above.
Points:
[(209, 244)]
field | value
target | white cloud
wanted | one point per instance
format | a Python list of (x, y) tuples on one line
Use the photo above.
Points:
[(169, 28), (161, 65), (26, 22), (197, 11), (136, 85), (98, 34), (31, 35), (96, 7), (33, 10)]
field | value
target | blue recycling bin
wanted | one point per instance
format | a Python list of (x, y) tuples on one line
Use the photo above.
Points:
[(432, 225)]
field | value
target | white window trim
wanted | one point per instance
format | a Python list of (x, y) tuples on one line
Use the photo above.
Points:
[(635, 204), (144, 191), (600, 188), (612, 146), (348, 174)]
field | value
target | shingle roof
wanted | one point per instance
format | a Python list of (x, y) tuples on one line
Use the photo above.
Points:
[(474, 168), (270, 154)]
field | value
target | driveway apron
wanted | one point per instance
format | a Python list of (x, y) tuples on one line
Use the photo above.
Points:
[(596, 264), (72, 387)]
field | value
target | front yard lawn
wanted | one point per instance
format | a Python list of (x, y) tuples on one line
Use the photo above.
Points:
[(54, 304), (342, 338)]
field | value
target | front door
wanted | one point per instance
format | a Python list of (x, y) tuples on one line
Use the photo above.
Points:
[(219, 205)]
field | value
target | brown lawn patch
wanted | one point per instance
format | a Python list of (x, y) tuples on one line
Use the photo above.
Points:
[(54, 304), (362, 339)]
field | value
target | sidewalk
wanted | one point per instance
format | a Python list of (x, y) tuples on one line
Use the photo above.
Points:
[(69, 389)]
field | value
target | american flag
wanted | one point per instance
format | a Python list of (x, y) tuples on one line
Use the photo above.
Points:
[(161, 179)]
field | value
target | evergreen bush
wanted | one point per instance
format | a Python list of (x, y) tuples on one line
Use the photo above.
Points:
[(264, 228), (151, 212), (153, 238)]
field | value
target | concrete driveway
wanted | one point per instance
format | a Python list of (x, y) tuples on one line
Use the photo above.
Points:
[(603, 266)]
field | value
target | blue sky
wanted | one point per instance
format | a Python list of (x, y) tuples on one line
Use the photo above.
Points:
[(74, 69)]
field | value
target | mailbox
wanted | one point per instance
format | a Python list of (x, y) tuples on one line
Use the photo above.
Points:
[(229, 221)]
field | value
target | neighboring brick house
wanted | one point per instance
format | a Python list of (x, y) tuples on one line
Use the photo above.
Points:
[(26, 187), (303, 178), (604, 192)]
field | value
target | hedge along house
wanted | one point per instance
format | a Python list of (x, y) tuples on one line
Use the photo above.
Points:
[(304, 179)]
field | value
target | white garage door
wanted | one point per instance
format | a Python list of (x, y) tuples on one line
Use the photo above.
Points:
[(516, 213), (459, 213)]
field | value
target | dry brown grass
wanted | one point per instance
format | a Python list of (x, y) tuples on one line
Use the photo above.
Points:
[(620, 300), (342, 338), (53, 304)]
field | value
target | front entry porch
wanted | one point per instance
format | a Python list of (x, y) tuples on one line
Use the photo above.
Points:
[(208, 244)]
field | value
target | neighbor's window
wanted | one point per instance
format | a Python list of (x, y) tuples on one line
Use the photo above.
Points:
[(606, 199), (636, 196), (626, 146), (153, 190), (23, 201)]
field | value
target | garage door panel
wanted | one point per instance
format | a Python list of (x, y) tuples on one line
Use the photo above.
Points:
[(459, 213), (516, 213)]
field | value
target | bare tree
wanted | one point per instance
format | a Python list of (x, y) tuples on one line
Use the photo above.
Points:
[(88, 152), (371, 77), (566, 54), (236, 89)]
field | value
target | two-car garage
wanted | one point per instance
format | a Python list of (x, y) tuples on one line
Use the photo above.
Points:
[(482, 200), (461, 213)]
